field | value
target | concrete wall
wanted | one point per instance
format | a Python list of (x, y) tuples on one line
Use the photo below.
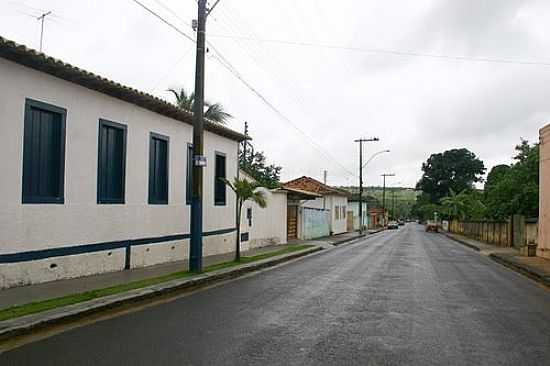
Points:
[(315, 223), (79, 221), (330, 202), (497, 233), (543, 249), (268, 224)]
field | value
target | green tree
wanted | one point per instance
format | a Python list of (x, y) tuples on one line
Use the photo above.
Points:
[(455, 204), (255, 164), (514, 189), (244, 191), (456, 169), (214, 111)]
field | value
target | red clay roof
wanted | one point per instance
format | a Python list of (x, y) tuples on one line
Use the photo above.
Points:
[(312, 185)]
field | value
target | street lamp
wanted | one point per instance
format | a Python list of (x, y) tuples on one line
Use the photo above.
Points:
[(360, 141), (375, 155), (361, 217)]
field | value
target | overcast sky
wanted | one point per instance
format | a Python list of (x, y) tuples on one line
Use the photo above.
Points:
[(328, 97)]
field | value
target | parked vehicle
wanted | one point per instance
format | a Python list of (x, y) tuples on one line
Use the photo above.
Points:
[(392, 225), (432, 226)]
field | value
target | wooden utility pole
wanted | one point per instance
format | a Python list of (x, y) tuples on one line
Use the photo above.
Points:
[(199, 160), (360, 141)]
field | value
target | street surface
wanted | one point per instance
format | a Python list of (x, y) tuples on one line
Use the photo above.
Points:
[(402, 297)]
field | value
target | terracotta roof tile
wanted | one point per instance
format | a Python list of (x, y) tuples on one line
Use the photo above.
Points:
[(22, 55), (312, 185)]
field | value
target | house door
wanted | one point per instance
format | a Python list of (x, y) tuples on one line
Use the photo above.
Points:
[(292, 222)]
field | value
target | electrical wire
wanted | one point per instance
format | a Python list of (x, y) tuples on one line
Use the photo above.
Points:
[(228, 66), (150, 11), (384, 51)]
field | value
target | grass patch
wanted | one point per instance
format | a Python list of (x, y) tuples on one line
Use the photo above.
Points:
[(40, 306)]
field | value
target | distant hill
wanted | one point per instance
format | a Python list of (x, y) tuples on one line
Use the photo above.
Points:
[(405, 197)]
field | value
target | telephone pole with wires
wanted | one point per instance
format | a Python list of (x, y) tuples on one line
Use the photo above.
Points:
[(360, 141), (41, 18), (199, 160)]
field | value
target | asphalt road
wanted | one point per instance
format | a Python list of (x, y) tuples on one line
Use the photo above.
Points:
[(397, 298)]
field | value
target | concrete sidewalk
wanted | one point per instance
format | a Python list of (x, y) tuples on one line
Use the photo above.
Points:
[(536, 268), (330, 241), (49, 290)]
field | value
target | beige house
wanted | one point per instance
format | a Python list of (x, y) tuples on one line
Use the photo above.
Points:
[(96, 175), (323, 213), (543, 249)]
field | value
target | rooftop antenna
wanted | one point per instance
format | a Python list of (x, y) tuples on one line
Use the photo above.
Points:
[(41, 18)]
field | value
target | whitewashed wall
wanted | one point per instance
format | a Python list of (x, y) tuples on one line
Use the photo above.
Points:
[(80, 220), (268, 224), (338, 225), (354, 207)]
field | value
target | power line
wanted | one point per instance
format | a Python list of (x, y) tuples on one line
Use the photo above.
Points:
[(384, 51), (228, 66), (164, 21)]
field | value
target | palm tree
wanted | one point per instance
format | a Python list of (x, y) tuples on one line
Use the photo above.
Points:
[(456, 204), (214, 112), (245, 191)]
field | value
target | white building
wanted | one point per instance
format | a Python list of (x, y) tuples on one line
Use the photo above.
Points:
[(95, 175), (354, 210), (324, 215), (264, 226)]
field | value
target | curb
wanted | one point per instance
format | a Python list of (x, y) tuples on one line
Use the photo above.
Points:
[(349, 240), (471, 246), (29, 323), (526, 271), (502, 260)]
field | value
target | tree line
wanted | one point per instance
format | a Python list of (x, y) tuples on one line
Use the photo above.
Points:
[(449, 181)]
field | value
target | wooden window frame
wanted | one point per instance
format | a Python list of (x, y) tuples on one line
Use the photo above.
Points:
[(220, 203), (124, 129), (189, 175), (153, 200), (27, 143)]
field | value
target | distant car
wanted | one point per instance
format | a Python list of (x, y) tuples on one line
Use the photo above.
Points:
[(400, 222), (392, 225), (432, 226)]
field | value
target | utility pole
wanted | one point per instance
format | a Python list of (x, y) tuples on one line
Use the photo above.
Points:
[(360, 141), (41, 18), (384, 195), (245, 142), (324, 177), (199, 160)]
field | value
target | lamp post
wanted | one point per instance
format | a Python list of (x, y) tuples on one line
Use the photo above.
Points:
[(361, 219), (360, 141)]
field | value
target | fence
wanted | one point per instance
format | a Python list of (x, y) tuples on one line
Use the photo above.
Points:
[(516, 232)]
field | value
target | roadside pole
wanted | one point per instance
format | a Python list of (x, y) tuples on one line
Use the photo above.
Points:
[(360, 141), (199, 160)]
